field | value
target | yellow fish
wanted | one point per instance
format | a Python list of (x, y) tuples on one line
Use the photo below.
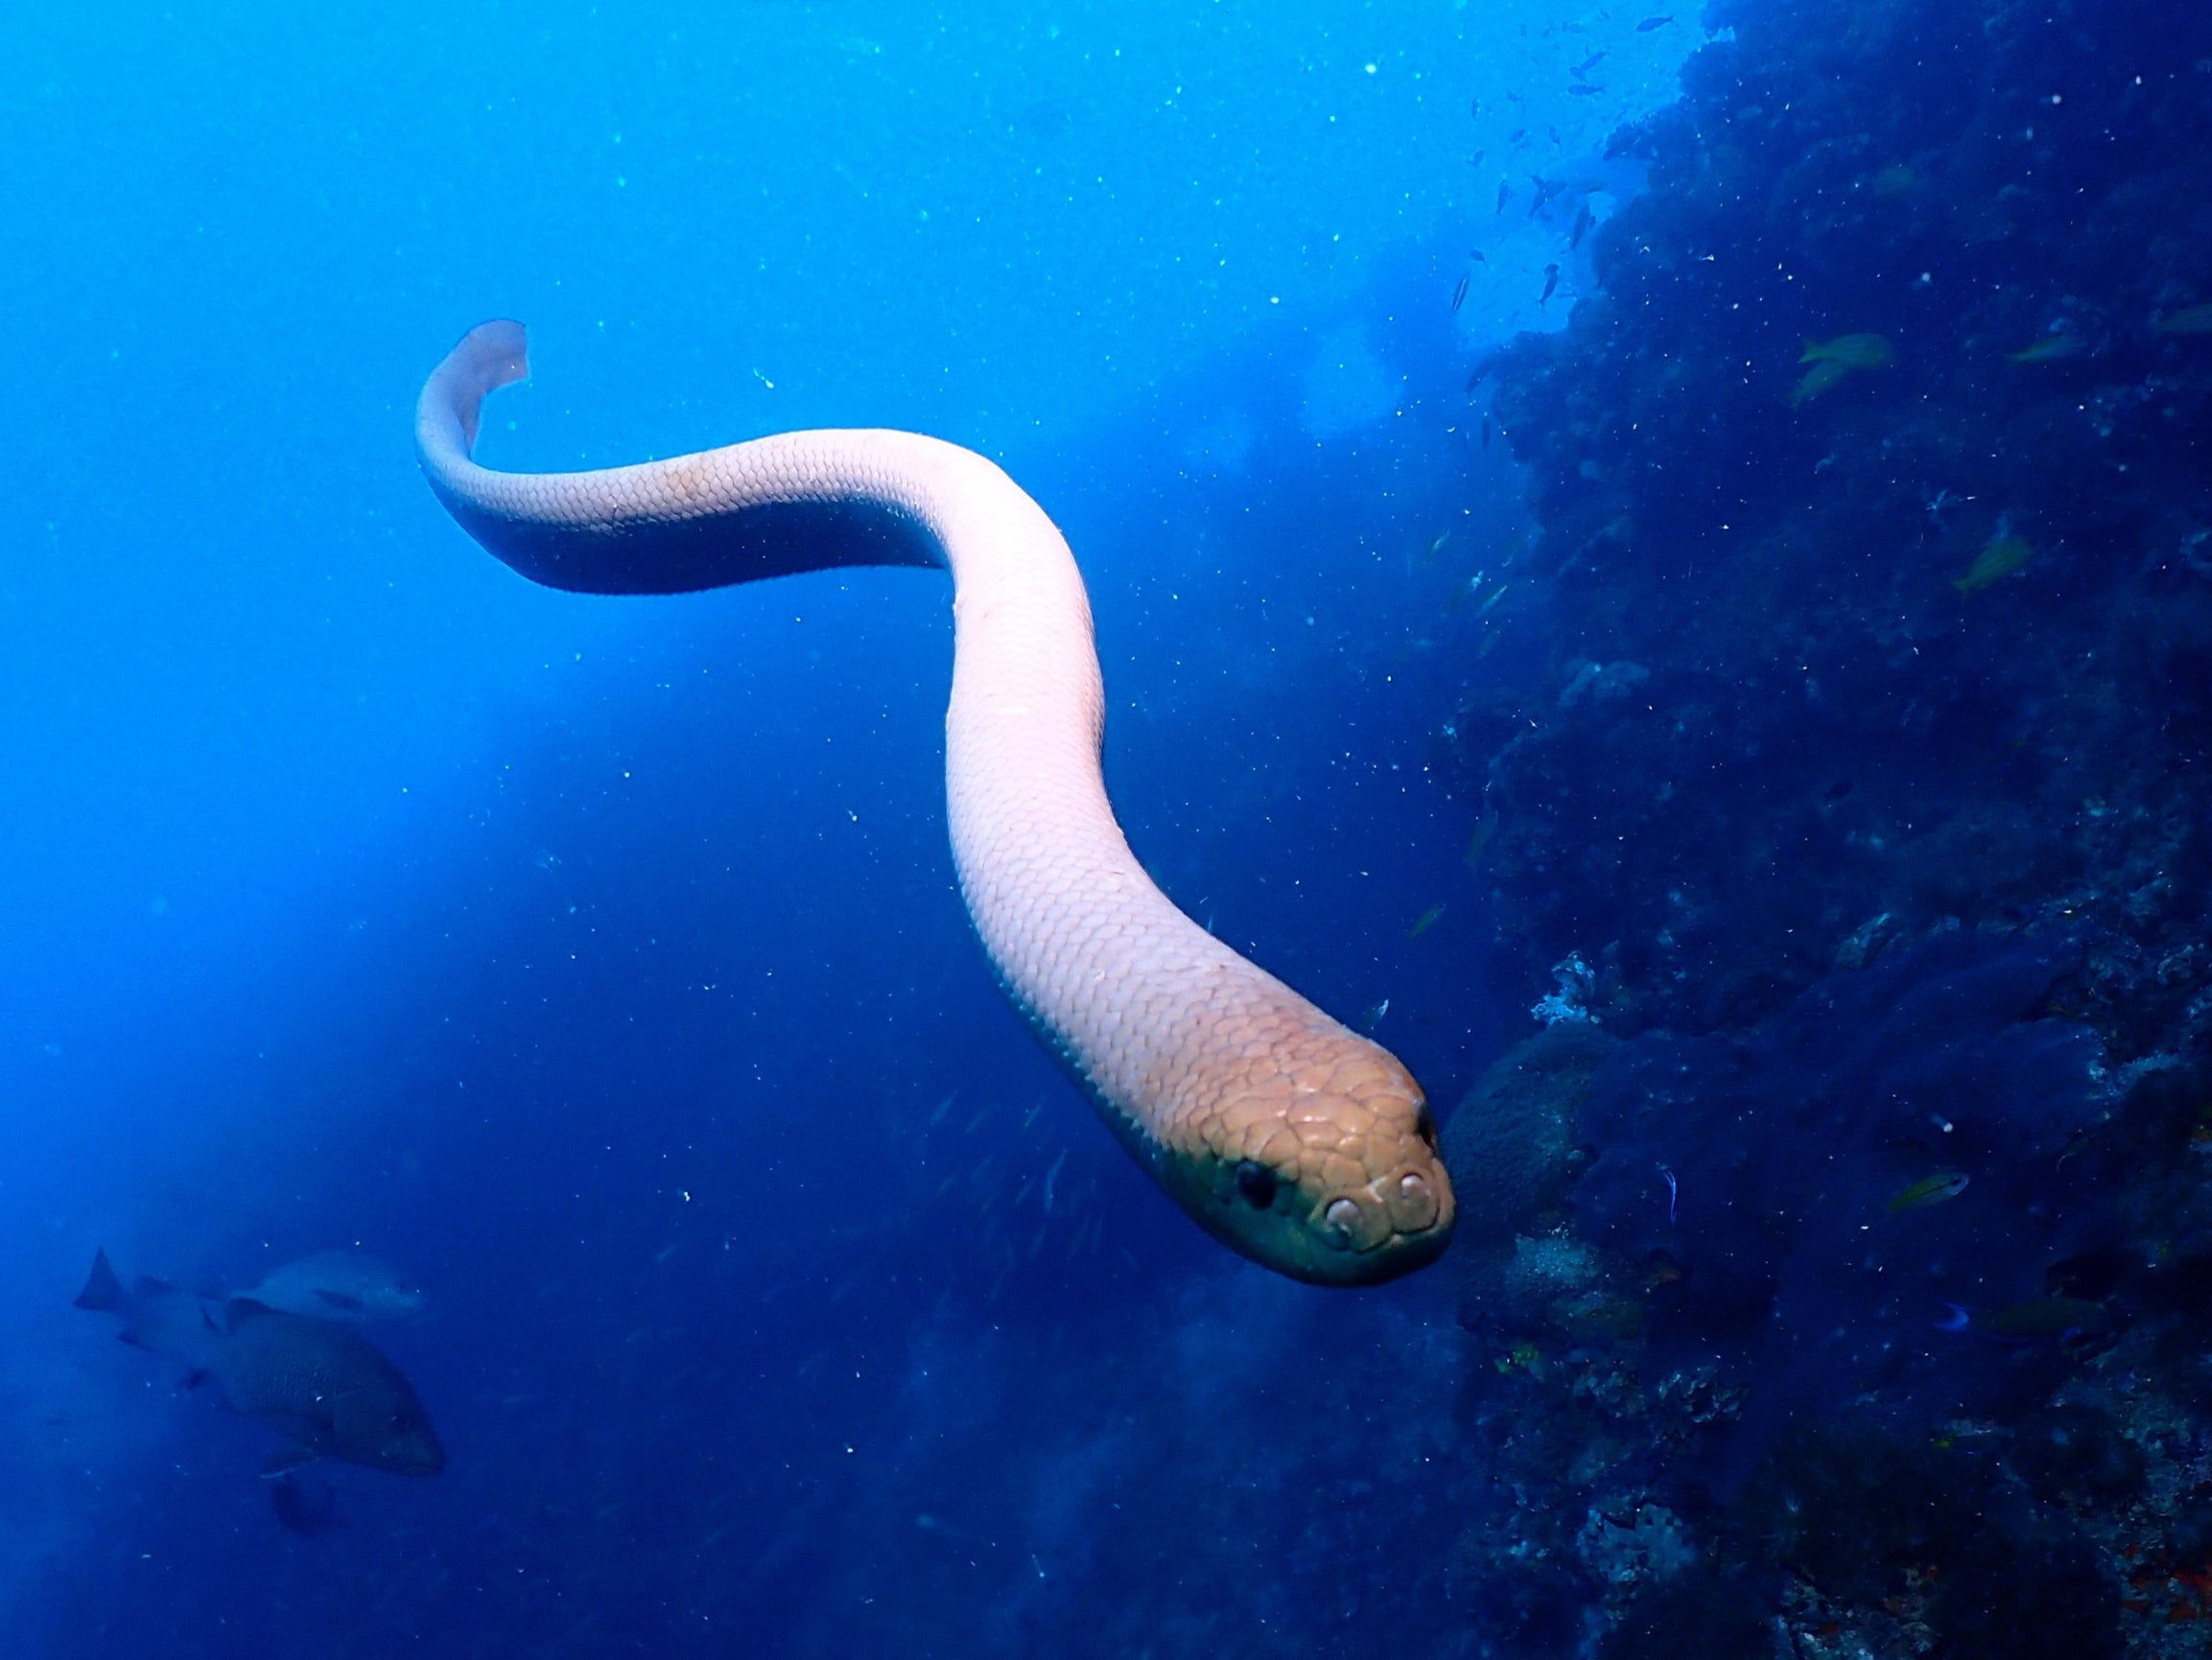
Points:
[(1833, 360), (1426, 921), (1521, 1357), (2000, 556), (1853, 351), (1930, 1190), (2050, 349), (2195, 321), (1820, 378)]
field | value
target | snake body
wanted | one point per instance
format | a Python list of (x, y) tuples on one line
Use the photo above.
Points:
[(1289, 1137)]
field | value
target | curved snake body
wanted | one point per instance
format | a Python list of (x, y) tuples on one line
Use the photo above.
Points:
[(1292, 1140)]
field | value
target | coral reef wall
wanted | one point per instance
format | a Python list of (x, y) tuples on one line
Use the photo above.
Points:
[(1876, 501), (1841, 1251)]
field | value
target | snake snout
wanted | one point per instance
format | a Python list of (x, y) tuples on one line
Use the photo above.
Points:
[(1389, 1207), (1328, 1173), (1406, 1205)]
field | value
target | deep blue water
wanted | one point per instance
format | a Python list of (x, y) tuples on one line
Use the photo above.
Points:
[(599, 963)]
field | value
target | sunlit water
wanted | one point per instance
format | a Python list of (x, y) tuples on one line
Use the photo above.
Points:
[(600, 962)]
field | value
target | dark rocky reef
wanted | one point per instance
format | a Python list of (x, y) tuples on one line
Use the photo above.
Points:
[(1899, 1153), (1863, 780), (1791, 712)]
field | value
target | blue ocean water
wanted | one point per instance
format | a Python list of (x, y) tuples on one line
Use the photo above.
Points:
[(600, 962)]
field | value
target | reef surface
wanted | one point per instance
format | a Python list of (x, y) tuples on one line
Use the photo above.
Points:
[(1851, 1294)]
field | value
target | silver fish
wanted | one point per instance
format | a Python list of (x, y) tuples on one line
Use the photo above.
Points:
[(337, 1285)]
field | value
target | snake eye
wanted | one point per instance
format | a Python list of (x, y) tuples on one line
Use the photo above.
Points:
[(1425, 1127), (1256, 1182)]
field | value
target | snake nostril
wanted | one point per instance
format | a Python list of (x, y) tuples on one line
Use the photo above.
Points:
[(1256, 1182), (1415, 1207), (1343, 1216)]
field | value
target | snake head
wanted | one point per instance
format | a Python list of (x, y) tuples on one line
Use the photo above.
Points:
[(1324, 1170)]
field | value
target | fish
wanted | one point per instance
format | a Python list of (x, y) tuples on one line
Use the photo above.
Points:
[(1582, 69), (1486, 431), (1374, 1015), (1485, 828), (1436, 546), (1930, 1191), (1523, 1356), (338, 1285), (156, 1316), (1504, 194), (2000, 556), (1427, 921), (307, 1505), (2050, 349), (1835, 360), (1545, 190), (1651, 23), (1478, 257), (1822, 377), (1583, 219), (1899, 179), (2052, 1320), (1550, 282), (2193, 321), (319, 1382), (1854, 351), (1583, 89), (1459, 294)]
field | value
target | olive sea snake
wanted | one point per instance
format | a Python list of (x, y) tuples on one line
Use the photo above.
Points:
[(1296, 1141)]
